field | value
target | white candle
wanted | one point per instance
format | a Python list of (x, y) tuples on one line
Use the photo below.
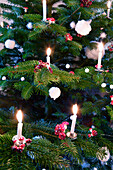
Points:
[(100, 46), (2, 24), (20, 124), (48, 55), (73, 118), (108, 6), (44, 10)]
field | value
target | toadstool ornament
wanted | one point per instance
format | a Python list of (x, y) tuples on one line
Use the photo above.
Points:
[(10, 44), (51, 20), (25, 9), (82, 27), (93, 53), (29, 25), (54, 92)]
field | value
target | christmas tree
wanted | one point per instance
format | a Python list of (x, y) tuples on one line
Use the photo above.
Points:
[(56, 65)]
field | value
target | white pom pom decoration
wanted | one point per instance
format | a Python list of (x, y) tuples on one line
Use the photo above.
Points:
[(72, 24), (83, 27), (22, 78), (4, 78), (10, 44), (87, 70), (93, 53), (102, 157), (67, 66), (103, 85), (111, 86), (29, 25), (54, 92)]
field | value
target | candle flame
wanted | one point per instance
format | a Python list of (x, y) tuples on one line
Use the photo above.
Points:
[(100, 46), (75, 109), (48, 51), (109, 4), (19, 116)]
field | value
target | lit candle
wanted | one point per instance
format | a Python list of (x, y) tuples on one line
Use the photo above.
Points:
[(100, 47), (20, 124), (44, 10), (48, 55), (73, 118), (108, 6)]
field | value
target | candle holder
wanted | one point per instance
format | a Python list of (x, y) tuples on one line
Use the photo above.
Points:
[(99, 70), (19, 143), (72, 135)]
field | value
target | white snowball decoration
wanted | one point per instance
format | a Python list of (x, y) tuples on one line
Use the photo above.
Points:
[(87, 70), (111, 86), (106, 157), (10, 44), (83, 27), (103, 85), (67, 65), (4, 78), (93, 53), (29, 25), (22, 78), (54, 92), (72, 24)]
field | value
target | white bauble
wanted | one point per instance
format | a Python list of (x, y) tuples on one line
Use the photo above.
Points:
[(107, 154), (1, 46), (10, 44), (86, 70), (103, 85), (54, 92), (83, 27), (111, 86), (29, 25), (67, 66), (72, 24), (94, 53), (22, 78), (4, 78)]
